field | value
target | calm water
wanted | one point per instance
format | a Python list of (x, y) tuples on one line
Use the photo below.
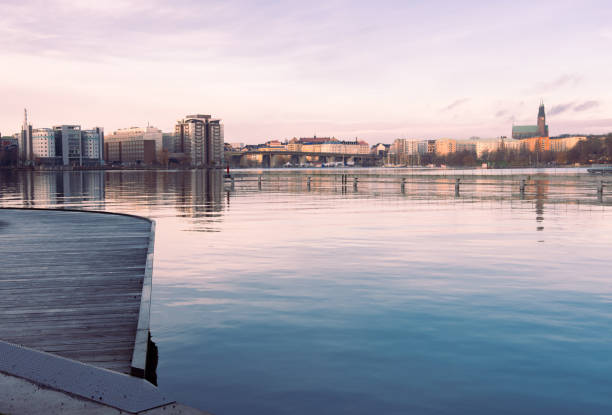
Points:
[(285, 299)]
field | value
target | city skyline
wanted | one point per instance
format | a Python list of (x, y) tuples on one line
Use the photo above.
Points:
[(335, 69)]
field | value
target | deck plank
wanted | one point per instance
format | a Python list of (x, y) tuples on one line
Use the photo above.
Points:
[(71, 283)]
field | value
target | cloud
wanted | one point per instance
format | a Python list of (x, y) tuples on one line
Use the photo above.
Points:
[(587, 105), (561, 108), (455, 104), (606, 33), (501, 113), (564, 80)]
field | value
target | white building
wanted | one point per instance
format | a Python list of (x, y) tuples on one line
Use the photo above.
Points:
[(43, 142), (92, 144)]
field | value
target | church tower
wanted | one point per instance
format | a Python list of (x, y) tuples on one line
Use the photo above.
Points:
[(542, 127)]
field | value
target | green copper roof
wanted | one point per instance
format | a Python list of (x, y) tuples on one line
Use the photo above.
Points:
[(524, 128)]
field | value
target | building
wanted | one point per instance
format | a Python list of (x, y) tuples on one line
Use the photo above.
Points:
[(68, 144), (520, 132), (139, 133), (92, 146), (558, 144), (133, 152), (9, 151), (43, 144), (536, 144), (200, 138), (26, 151), (380, 149), (445, 146), (168, 141), (489, 145)]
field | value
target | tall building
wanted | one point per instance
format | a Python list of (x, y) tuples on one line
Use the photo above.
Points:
[(520, 132), (26, 153), (200, 138), (542, 127), (68, 144)]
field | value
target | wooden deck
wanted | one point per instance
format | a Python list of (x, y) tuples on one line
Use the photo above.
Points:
[(71, 283)]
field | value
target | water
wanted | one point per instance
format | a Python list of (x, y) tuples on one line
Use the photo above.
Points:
[(286, 299)]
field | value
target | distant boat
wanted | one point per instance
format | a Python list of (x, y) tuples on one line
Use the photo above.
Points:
[(600, 169)]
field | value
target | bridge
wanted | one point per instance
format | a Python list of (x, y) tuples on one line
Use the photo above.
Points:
[(276, 158)]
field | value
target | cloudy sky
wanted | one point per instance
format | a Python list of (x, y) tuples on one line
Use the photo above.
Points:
[(277, 69)]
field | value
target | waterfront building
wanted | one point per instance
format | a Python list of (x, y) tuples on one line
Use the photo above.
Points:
[(536, 144), (26, 151), (489, 145), (426, 147), (558, 144), (68, 144), (92, 146), (445, 146), (469, 145), (315, 139), (139, 133), (133, 152), (200, 138), (520, 132), (402, 150), (9, 151), (273, 145), (294, 145), (43, 144), (380, 149)]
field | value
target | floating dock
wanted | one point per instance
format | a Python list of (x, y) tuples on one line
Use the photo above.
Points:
[(75, 293)]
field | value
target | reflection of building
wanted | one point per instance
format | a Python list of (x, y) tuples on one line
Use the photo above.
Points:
[(200, 138), (65, 187), (520, 132)]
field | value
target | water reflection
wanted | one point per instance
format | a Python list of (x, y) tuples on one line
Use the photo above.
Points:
[(387, 298)]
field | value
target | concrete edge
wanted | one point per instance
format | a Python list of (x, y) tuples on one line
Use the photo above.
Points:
[(139, 355), (91, 383)]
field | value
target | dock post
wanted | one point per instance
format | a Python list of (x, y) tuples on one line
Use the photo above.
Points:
[(308, 182), (457, 186), (403, 185), (259, 182), (600, 189), (355, 181), (522, 188)]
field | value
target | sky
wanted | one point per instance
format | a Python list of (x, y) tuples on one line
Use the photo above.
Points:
[(278, 69)]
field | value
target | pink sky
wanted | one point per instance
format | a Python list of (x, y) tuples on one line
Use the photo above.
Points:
[(272, 70)]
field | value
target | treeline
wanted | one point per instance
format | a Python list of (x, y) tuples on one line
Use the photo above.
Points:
[(593, 150)]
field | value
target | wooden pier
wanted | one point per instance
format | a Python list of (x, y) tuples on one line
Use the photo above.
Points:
[(77, 284)]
